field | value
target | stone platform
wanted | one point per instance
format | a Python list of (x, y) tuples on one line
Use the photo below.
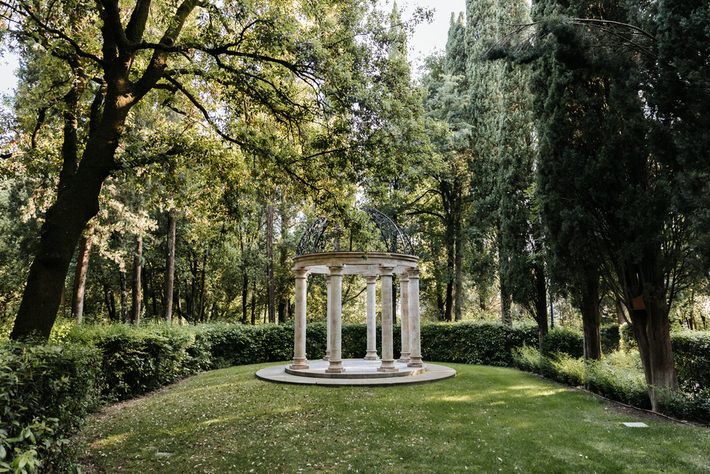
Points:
[(357, 372)]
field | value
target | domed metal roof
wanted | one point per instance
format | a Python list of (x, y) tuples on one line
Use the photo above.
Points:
[(377, 233)]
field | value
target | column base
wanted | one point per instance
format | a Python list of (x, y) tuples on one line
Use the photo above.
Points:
[(415, 362), (387, 366), (335, 367), (300, 363), (327, 355), (371, 355), (404, 358)]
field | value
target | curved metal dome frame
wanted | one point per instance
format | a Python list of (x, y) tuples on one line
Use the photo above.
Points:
[(320, 238)]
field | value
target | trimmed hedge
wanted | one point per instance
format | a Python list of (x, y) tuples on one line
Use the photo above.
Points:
[(691, 351), (46, 391), (474, 342)]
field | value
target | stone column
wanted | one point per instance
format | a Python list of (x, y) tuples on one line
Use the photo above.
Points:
[(328, 304), (299, 340), (415, 357), (404, 318), (371, 320), (335, 365), (387, 364)]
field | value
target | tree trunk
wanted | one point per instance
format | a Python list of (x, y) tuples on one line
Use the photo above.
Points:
[(170, 269), (270, 296), (137, 290), (505, 304), (591, 318), (649, 318), (245, 297), (201, 316), (620, 313), (458, 265), (253, 304), (82, 268), (540, 301), (124, 297)]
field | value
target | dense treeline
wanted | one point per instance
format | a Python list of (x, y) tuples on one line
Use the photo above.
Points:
[(165, 168)]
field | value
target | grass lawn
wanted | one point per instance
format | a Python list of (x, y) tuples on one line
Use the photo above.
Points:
[(486, 419)]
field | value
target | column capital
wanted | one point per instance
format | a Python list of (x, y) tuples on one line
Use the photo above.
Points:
[(335, 270), (413, 272), (386, 270), (301, 272), (404, 276), (371, 279)]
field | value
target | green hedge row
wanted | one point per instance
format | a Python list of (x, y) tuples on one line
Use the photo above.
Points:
[(47, 390), (45, 393)]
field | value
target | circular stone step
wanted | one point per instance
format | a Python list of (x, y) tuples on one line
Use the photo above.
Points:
[(357, 372)]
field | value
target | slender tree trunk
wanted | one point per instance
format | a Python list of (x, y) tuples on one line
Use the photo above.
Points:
[(124, 297), (591, 318), (82, 268), (620, 313), (202, 287), (540, 301), (137, 290), (270, 296), (245, 297), (170, 269), (505, 304), (253, 304), (458, 265)]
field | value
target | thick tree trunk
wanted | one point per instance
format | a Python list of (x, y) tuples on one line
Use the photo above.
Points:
[(136, 289), (591, 319), (170, 268), (82, 268), (652, 331), (65, 221)]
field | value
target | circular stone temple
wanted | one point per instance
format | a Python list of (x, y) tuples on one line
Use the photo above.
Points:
[(371, 246)]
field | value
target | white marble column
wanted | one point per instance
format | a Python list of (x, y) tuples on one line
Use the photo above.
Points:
[(415, 357), (387, 364), (299, 340), (335, 366), (329, 302), (371, 318), (404, 317)]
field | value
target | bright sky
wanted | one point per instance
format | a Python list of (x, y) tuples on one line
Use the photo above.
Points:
[(432, 36), (427, 37)]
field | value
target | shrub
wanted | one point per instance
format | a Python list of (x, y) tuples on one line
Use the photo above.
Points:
[(473, 342), (562, 340), (46, 391), (610, 338), (619, 376), (136, 361), (691, 351)]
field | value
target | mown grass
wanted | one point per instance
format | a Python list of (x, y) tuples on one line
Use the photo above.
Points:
[(486, 419)]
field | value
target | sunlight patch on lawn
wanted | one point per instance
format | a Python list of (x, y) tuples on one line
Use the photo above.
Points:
[(109, 441)]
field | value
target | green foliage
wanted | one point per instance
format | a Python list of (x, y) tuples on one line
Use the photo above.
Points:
[(618, 376), (627, 340), (691, 351), (45, 392), (563, 340), (136, 361), (474, 342), (610, 336)]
